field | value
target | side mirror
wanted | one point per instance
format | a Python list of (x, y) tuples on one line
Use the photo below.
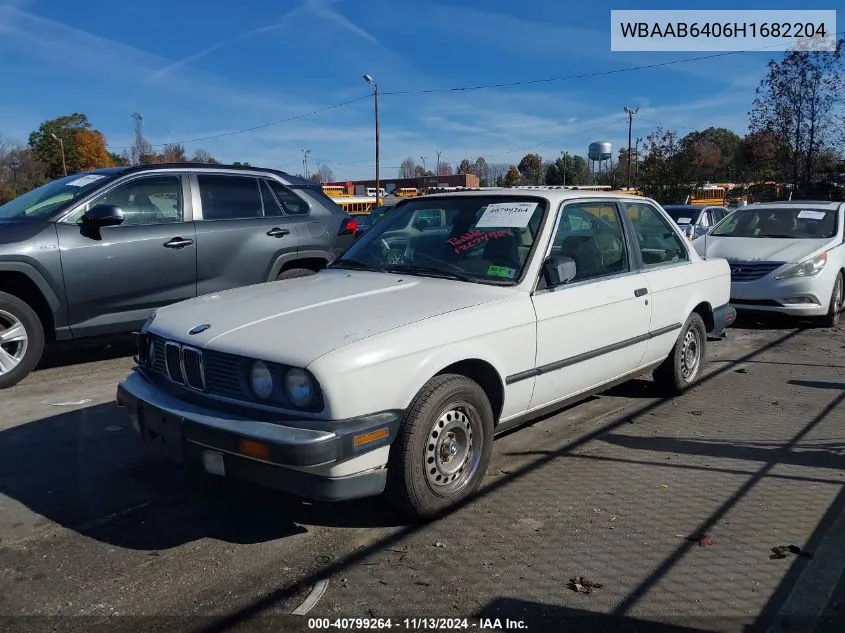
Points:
[(103, 215), (559, 270)]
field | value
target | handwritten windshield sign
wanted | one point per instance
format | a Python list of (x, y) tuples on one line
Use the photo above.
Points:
[(514, 215)]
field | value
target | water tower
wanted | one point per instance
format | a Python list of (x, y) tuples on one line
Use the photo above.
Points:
[(601, 152)]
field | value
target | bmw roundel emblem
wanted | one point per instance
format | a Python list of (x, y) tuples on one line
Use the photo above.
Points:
[(199, 329)]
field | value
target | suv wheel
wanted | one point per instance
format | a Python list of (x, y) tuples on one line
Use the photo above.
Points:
[(21, 340), (443, 448), (293, 273), (685, 363)]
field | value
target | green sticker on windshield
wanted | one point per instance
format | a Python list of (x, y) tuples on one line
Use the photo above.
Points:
[(501, 271)]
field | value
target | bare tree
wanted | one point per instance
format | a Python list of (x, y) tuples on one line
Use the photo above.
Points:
[(324, 173), (496, 172), (407, 169)]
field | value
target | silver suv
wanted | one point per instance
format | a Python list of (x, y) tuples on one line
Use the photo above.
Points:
[(95, 253)]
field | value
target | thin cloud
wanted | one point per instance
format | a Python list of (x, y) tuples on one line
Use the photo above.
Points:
[(321, 9)]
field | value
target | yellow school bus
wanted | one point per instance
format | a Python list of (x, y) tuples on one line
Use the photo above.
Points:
[(407, 192), (357, 205), (708, 195), (334, 191)]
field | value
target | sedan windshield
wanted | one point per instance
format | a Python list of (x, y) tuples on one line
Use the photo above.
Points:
[(682, 214), (471, 238), (42, 202), (779, 222)]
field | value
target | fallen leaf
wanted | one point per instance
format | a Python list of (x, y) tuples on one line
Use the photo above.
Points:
[(704, 539), (697, 412), (742, 370), (439, 544), (582, 585)]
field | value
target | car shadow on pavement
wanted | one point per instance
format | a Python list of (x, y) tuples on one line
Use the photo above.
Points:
[(515, 614), (86, 471), (88, 351), (769, 321)]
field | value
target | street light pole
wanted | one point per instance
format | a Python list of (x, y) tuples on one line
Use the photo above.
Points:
[(422, 158), (62, 147), (370, 81)]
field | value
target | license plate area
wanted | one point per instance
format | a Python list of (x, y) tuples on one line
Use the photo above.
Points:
[(161, 431)]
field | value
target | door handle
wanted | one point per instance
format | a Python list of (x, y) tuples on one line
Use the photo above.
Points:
[(178, 242), (278, 232), (639, 292)]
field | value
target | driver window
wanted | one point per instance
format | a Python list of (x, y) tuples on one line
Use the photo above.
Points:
[(658, 242), (150, 200), (591, 234)]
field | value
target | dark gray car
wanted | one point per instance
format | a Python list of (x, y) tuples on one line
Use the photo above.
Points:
[(95, 253)]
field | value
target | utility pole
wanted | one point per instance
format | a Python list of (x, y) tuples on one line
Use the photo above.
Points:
[(15, 164), (630, 114), (305, 153), (372, 82), (62, 147), (437, 173)]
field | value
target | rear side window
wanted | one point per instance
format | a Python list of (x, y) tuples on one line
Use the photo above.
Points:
[(229, 197), (291, 203)]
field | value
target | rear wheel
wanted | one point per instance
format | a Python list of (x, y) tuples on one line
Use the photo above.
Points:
[(293, 273), (21, 340), (684, 365), (831, 319), (444, 447)]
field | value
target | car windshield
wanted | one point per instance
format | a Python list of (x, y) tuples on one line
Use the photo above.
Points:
[(42, 202), (471, 238), (779, 222), (682, 214)]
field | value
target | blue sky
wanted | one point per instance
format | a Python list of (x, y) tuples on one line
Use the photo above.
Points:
[(196, 68)]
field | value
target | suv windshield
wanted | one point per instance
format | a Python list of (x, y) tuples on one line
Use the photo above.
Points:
[(472, 238), (42, 202), (682, 214), (779, 222)]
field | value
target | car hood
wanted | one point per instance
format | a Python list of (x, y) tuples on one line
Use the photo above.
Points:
[(758, 248), (298, 320), (15, 232)]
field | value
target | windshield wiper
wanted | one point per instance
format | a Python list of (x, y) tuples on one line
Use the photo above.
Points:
[(354, 264), (430, 271)]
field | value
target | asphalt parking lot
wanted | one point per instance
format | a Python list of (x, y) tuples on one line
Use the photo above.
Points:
[(672, 506)]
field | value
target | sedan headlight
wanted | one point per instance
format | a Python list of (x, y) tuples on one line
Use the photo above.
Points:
[(299, 387), (807, 268), (261, 380)]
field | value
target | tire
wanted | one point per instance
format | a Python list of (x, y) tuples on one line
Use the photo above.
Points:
[(837, 296), (421, 478), (293, 273), (20, 355), (685, 363)]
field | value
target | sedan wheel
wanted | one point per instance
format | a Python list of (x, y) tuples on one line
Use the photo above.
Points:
[(441, 454), (683, 367), (837, 297)]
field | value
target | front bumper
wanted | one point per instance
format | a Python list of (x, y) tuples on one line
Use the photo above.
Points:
[(802, 296), (274, 454)]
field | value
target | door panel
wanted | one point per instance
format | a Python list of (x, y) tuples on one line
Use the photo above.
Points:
[(113, 280), (666, 256), (242, 232), (594, 328)]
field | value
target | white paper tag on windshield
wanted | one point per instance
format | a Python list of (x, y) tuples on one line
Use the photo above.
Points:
[(811, 215), (684, 220), (85, 180), (511, 215)]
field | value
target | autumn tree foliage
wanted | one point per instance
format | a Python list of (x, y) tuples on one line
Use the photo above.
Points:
[(90, 146)]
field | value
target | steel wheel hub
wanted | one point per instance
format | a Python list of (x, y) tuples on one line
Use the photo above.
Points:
[(13, 342), (690, 354), (451, 453)]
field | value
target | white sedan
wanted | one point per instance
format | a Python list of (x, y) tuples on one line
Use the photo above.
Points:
[(394, 368), (786, 257)]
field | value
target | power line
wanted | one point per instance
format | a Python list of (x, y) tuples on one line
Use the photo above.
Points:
[(600, 73), (256, 127)]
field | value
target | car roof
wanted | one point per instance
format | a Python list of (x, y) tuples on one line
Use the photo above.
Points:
[(294, 180), (794, 204), (553, 194)]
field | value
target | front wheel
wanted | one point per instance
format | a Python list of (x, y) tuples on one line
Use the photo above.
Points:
[(21, 340), (443, 448), (831, 319), (294, 273), (685, 363)]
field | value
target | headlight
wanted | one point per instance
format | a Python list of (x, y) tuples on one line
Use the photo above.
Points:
[(807, 268), (261, 380), (299, 387)]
